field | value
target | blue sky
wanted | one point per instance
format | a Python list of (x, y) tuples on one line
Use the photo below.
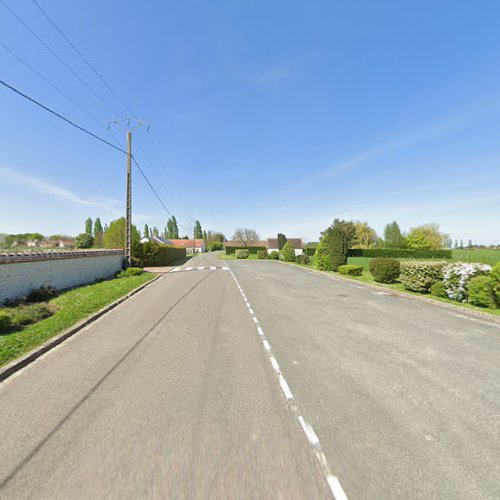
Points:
[(278, 116)]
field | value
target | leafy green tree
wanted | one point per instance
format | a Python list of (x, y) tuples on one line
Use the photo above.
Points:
[(146, 231), (88, 226), (114, 235), (84, 240), (98, 233), (287, 253), (281, 241), (393, 236), (366, 236), (197, 232), (348, 228), (175, 229), (323, 252), (205, 237), (155, 232), (426, 236), (339, 245)]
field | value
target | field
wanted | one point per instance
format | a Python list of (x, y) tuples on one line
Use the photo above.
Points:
[(490, 257)]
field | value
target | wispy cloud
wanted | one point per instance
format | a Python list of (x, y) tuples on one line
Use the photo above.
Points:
[(38, 185)]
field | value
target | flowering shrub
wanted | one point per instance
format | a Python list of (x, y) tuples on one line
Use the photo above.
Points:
[(456, 278), (420, 275)]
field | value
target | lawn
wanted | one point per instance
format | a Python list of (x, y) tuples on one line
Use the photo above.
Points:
[(71, 306), (490, 257), (232, 256)]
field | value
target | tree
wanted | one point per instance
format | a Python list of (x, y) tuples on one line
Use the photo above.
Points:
[(114, 235), (245, 236), (287, 253), (282, 239), (348, 228), (146, 231), (426, 236), (155, 231), (366, 236), (175, 228), (323, 252), (88, 226), (205, 237), (339, 245), (98, 233), (84, 240), (393, 236), (197, 231)]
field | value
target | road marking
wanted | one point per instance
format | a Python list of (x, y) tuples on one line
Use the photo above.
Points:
[(201, 267), (225, 268), (189, 268), (212, 268), (333, 482), (175, 269)]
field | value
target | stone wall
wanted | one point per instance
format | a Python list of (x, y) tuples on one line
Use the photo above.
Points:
[(21, 273)]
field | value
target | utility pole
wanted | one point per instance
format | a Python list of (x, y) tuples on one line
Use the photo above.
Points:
[(124, 124)]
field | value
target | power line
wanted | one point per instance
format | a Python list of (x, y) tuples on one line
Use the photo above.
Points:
[(53, 85), (59, 58), (55, 113), (88, 132), (85, 60)]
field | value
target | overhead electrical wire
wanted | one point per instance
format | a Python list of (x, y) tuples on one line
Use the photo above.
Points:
[(88, 132)]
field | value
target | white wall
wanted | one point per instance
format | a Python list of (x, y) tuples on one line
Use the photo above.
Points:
[(17, 277)]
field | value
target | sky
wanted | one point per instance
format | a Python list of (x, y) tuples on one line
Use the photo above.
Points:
[(278, 116)]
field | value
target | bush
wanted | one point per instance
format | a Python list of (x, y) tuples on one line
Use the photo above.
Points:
[(419, 276), (399, 253), (287, 253), (4, 322), (41, 294), (153, 254), (495, 276), (29, 314), (84, 240), (480, 291), (323, 256), (351, 270), (216, 245), (262, 254), (130, 271), (302, 259), (275, 255), (456, 277), (252, 250), (338, 246), (310, 249), (242, 253), (385, 270), (438, 290)]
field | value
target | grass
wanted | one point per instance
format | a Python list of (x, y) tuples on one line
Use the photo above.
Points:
[(70, 307), (490, 257), (232, 256)]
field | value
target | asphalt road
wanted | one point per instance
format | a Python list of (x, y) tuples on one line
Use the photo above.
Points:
[(173, 395)]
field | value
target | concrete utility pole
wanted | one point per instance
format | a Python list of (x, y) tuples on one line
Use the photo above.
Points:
[(124, 124)]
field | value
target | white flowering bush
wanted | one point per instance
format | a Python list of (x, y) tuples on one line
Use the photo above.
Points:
[(456, 277)]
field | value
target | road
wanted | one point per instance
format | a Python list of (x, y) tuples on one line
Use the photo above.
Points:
[(177, 393)]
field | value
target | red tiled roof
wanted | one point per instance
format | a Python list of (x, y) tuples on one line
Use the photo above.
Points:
[(186, 243)]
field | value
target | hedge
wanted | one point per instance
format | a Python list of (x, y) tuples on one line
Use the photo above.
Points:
[(385, 270), (262, 254), (252, 250), (399, 253), (153, 254), (419, 276), (351, 270), (480, 291), (242, 253)]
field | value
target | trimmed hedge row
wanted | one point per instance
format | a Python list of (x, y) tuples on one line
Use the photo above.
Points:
[(252, 250), (399, 253), (351, 270), (152, 254)]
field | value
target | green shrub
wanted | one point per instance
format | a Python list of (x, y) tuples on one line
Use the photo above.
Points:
[(130, 271), (302, 259), (323, 256), (84, 240), (338, 246), (41, 294), (385, 270), (252, 250), (275, 255), (262, 254), (242, 253), (287, 253), (480, 291), (438, 290), (4, 322), (351, 270), (419, 276), (495, 277), (29, 314), (216, 245), (400, 253), (154, 254), (310, 249)]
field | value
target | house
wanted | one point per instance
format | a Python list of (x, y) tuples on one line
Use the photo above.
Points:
[(191, 246), (297, 244)]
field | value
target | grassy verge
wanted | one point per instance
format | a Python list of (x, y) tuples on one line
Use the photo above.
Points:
[(232, 256), (72, 306), (367, 278)]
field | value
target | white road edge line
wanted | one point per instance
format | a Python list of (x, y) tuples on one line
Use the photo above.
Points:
[(332, 480)]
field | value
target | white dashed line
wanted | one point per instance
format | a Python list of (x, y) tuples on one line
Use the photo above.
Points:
[(212, 268), (189, 268), (201, 267), (333, 482)]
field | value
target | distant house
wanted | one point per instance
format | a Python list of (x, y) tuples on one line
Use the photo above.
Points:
[(191, 246), (239, 244), (67, 243), (297, 244)]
